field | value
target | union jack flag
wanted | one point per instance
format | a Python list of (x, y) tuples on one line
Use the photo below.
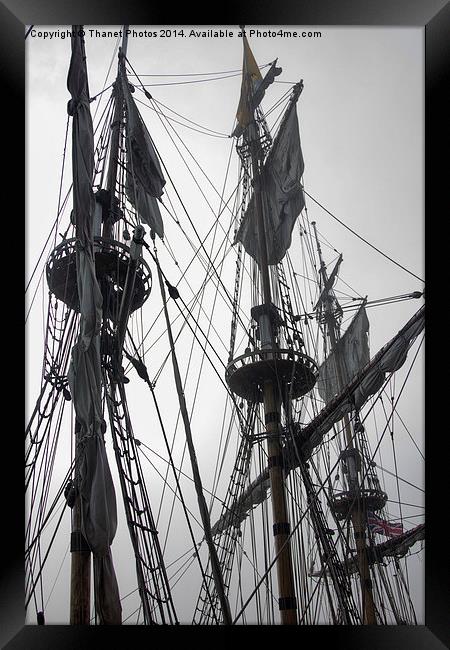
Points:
[(383, 527)]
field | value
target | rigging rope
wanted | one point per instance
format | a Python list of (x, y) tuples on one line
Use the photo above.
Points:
[(197, 74), (146, 379), (362, 238), (212, 133), (198, 484)]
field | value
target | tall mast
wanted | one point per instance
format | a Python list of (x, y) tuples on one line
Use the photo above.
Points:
[(115, 138), (268, 373), (80, 593), (272, 411), (80, 581), (357, 512), (81, 557)]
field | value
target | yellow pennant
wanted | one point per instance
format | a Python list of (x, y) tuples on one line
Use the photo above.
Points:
[(251, 76)]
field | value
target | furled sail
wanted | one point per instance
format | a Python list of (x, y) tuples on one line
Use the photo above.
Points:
[(255, 494), (367, 382), (282, 195), (89, 293), (350, 354), (376, 553), (94, 481), (95, 486), (396, 547), (144, 177)]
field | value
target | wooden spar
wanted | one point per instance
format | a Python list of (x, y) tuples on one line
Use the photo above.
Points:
[(115, 138), (128, 290), (80, 580), (324, 415), (357, 513), (204, 513), (80, 589), (80, 566), (272, 410)]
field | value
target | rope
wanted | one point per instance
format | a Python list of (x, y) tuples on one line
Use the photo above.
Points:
[(175, 474), (197, 74), (362, 238), (198, 484)]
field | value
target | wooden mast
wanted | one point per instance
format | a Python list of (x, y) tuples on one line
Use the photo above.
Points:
[(357, 513), (80, 567), (272, 412), (115, 138), (80, 583)]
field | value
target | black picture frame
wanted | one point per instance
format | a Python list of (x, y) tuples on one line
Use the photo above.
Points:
[(434, 16)]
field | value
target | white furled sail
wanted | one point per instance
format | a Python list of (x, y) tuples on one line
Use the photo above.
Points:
[(255, 494)]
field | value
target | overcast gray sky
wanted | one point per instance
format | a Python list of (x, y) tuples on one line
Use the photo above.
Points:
[(361, 123)]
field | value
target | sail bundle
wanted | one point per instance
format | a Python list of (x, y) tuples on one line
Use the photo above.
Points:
[(282, 195), (255, 494), (326, 295), (94, 481), (95, 484), (397, 546), (144, 178), (89, 293), (365, 384), (350, 354)]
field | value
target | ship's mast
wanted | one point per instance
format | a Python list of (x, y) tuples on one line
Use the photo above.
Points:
[(272, 409), (115, 138), (80, 581), (81, 557), (357, 510), (269, 372)]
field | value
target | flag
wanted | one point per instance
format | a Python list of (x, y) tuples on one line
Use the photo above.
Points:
[(253, 88), (251, 77), (383, 527)]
